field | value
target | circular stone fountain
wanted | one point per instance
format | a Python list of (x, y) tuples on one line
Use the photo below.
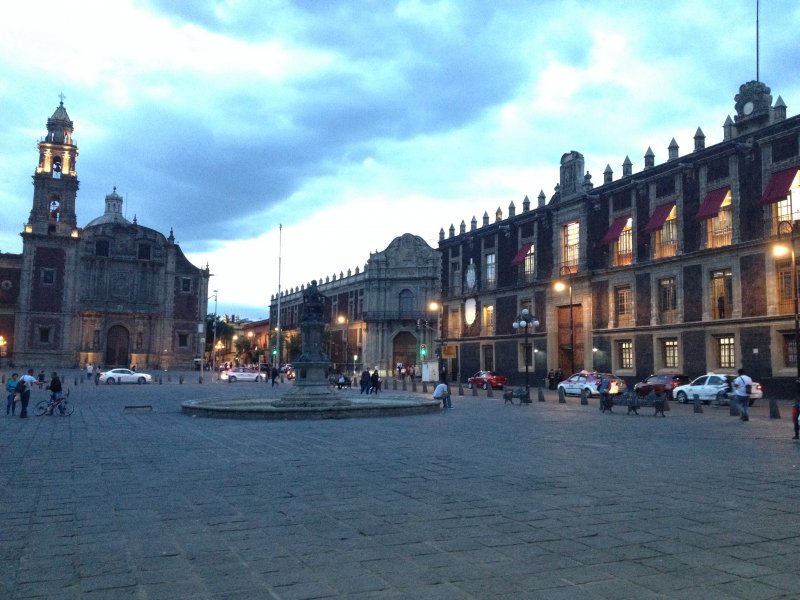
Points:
[(311, 396)]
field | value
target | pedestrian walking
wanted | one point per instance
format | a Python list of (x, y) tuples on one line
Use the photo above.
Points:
[(89, 371), (11, 394), (375, 382), (551, 380), (25, 383), (274, 375), (604, 389), (741, 393), (796, 418), (365, 381)]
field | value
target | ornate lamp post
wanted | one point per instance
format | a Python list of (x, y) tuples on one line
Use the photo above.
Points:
[(526, 321), (792, 231), (560, 286)]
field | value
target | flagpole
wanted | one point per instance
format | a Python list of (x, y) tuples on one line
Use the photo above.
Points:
[(278, 322)]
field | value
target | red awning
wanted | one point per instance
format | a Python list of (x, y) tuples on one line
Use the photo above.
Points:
[(519, 258), (612, 235), (659, 217), (778, 186), (712, 202)]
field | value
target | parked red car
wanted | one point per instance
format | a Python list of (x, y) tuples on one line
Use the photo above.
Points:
[(664, 382), (485, 379)]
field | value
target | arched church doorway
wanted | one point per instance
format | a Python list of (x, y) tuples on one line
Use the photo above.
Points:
[(117, 346), (404, 349)]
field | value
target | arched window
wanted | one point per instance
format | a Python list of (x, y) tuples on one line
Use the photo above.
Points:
[(406, 302)]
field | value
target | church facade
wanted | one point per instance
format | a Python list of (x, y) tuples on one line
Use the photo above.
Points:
[(113, 293)]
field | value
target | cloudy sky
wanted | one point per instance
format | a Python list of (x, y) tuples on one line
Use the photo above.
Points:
[(352, 122)]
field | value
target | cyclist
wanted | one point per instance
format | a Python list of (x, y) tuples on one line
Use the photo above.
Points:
[(55, 393)]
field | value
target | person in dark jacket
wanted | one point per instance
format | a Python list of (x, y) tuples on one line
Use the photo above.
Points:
[(55, 392), (365, 381)]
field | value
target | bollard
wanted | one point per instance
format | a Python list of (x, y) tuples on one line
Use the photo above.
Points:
[(394, 384), (169, 377), (562, 397), (160, 381), (460, 389), (489, 393), (698, 407), (774, 412), (424, 387), (584, 398), (200, 379), (734, 408), (474, 390), (76, 382), (541, 394), (404, 385), (4, 379), (180, 380), (414, 385)]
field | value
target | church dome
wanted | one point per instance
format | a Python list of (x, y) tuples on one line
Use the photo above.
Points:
[(113, 212)]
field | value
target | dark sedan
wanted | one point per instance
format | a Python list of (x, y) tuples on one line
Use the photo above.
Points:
[(485, 379), (664, 382)]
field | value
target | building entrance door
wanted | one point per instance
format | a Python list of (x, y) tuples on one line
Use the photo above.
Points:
[(117, 346), (404, 349), (570, 339)]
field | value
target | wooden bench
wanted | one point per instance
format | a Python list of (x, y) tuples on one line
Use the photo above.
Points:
[(634, 402), (521, 392)]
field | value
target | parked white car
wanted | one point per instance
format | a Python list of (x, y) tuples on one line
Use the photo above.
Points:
[(241, 374), (708, 386), (124, 376)]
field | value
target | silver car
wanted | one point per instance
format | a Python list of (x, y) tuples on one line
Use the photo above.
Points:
[(713, 386), (241, 374)]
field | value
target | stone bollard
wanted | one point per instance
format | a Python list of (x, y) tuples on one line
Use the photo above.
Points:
[(119, 381), (169, 377), (394, 384), (489, 393), (774, 411), (180, 380), (562, 397), (424, 387), (200, 379), (76, 381), (474, 391), (698, 407), (404, 385), (584, 398), (160, 380), (4, 379), (414, 385), (460, 389), (540, 396), (734, 407)]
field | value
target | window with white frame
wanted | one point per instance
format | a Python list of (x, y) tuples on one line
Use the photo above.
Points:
[(623, 305), (570, 245), (667, 300), (625, 354), (529, 264), (490, 269), (726, 352)]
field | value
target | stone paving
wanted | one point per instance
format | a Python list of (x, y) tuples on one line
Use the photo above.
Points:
[(545, 501)]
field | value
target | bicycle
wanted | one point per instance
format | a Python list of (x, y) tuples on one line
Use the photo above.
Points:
[(56, 405)]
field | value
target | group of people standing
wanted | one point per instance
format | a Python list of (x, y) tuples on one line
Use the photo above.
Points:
[(553, 378), (370, 383), (18, 389)]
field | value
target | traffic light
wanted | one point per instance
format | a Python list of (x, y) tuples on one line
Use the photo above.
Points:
[(423, 351), (274, 352)]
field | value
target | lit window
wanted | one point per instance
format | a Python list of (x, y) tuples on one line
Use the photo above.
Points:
[(570, 245), (669, 353), (490, 270), (720, 227), (529, 265), (726, 352), (488, 319), (667, 236), (623, 304), (721, 294), (623, 247), (625, 354), (784, 210)]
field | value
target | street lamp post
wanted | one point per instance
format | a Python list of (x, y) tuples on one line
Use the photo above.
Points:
[(343, 319), (214, 342), (792, 230), (560, 286), (524, 321)]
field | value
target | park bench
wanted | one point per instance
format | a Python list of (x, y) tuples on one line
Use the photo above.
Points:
[(634, 402), (522, 393)]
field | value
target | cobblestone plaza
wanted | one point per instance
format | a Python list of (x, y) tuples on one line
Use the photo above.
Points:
[(545, 501)]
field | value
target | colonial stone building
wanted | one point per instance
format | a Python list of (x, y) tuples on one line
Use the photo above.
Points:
[(111, 293), (668, 269), (377, 317)]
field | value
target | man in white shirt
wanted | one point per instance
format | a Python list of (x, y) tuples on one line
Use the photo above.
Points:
[(25, 394), (442, 392), (741, 393)]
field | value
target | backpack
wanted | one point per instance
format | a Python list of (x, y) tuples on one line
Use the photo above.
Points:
[(605, 385), (748, 389), (20, 386)]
